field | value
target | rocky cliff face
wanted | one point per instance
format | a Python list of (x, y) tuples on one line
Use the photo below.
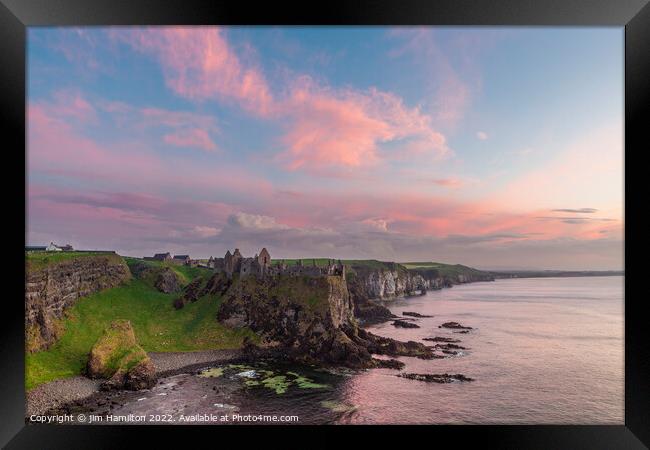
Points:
[(52, 289), (394, 280), (287, 309), (390, 280), (309, 319)]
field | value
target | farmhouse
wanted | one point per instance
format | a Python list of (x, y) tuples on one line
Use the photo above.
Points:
[(59, 248), (159, 257), (181, 259)]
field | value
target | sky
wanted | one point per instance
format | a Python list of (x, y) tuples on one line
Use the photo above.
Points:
[(498, 148)]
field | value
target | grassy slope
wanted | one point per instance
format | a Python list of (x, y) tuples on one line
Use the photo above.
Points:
[(444, 269), (157, 325), (322, 262)]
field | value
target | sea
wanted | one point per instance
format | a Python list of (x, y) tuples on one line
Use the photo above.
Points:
[(540, 351)]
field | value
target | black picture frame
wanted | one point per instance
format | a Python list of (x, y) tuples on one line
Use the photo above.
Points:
[(634, 15)]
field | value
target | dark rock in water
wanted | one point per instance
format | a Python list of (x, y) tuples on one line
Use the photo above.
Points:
[(449, 352), (413, 314), (389, 363), (404, 324), (380, 345), (440, 339), (167, 281), (448, 347), (454, 325), (371, 312), (435, 377), (461, 332)]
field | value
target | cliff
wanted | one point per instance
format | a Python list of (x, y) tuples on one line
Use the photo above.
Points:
[(309, 319), (53, 283), (371, 280), (289, 311)]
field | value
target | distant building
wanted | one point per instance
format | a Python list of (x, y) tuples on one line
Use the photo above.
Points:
[(59, 248), (182, 259), (162, 257)]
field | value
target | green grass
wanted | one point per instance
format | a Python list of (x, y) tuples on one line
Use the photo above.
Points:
[(322, 262), (40, 260), (185, 273), (158, 328), (443, 269)]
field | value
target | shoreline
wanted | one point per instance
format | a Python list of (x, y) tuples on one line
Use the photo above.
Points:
[(65, 391), (58, 393)]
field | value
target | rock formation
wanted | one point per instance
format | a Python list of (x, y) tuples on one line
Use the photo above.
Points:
[(167, 281), (310, 319), (386, 280), (117, 357), (52, 289)]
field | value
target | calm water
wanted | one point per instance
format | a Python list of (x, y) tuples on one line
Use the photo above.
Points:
[(546, 350), (542, 351)]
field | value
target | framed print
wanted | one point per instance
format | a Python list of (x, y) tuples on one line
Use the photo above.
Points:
[(375, 218)]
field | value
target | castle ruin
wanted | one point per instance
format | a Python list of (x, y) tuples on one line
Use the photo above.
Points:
[(261, 266)]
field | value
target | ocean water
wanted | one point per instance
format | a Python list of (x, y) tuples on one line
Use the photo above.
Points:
[(546, 350)]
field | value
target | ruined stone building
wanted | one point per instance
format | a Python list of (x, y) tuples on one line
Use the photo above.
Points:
[(261, 265)]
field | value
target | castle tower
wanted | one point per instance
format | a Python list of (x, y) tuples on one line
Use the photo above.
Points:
[(264, 260), (228, 263), (236, 261)]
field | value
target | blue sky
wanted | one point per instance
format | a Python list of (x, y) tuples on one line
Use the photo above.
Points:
[(387, 143)]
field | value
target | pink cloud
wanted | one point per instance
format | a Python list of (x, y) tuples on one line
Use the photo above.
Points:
[(58, 148), (346, 128), (195, 137), (326, 128), (199, 64), (450, 93), (448, 182)]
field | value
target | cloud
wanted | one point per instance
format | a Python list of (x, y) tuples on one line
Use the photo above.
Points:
[(326, 128), (346, 127), (447, 182), (194, 137), (576, 211), (481, 135), (199, 64), (449, 93), (254, 222), (204, 231)]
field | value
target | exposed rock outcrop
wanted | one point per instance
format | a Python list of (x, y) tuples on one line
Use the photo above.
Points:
[(310, 319), (404, 324), (53, 288), (117, 357), (167, 281), (386, 280), (454, 325), (440, 339), (414, 314), (162, 278), (191, 293), (435, 377)]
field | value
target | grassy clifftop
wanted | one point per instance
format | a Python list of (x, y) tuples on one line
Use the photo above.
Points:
[(157, 325), (448, 270), (35, 261)]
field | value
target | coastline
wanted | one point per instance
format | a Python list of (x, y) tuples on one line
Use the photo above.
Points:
[(58, 393), (66, 391)]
